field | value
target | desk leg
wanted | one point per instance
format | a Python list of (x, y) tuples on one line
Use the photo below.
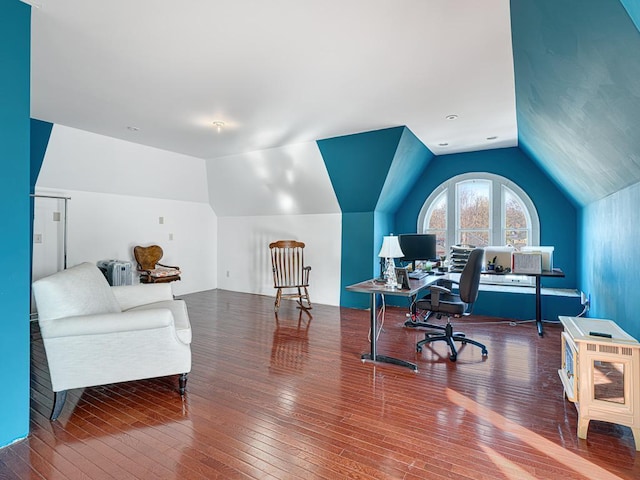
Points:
[(374, 331), (539, 305)]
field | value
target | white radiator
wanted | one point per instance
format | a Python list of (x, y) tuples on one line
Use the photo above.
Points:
[(117, 272)]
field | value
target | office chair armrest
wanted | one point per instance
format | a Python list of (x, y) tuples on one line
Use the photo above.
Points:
[(446, 283), (436, 291)]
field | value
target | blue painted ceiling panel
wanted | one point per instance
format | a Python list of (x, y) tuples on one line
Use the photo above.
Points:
[(358, 166), (577, 65)]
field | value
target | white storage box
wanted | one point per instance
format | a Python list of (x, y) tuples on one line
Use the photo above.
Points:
[(547, 256)]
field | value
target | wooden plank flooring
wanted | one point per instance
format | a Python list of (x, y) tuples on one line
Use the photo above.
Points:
[(289, 398)]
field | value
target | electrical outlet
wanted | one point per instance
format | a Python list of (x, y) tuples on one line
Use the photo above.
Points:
[(227, 273), (37, 238)]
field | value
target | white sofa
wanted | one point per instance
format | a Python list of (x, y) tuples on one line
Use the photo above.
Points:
[(95, 334)]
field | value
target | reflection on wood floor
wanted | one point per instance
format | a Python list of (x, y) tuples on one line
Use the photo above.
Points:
[(287, 397)]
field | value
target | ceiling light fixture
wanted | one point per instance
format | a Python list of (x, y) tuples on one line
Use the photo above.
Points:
[(492, 138), (133, 129), (443, 144), (452, 117), (218, 125)]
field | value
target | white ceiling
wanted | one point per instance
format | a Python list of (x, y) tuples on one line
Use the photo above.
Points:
[(275, 72)]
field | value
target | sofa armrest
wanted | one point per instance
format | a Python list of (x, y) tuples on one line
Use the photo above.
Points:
[(106, 323), (130, 296)]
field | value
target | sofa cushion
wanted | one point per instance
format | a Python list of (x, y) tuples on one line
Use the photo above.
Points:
[(79, 290), (178, 309)]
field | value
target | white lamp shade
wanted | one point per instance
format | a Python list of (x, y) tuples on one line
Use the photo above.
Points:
[(390, 248)]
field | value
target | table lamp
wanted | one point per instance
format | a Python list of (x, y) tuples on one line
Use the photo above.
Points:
[(390, 250)]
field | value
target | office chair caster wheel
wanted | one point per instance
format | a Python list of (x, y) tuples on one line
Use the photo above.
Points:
[(485, 353), (453, 358), (419, 349)]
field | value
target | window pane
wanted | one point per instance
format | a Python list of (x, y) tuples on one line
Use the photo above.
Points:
[(516, 238), (517, 228), (514, 216), (477, 238), (437, 215), (441, 241), (436, 222), (473, 204)]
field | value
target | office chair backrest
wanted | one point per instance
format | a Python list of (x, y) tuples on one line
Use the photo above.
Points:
[(470, 277)]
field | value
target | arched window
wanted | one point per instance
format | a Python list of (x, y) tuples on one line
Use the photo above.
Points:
[(480, 209)]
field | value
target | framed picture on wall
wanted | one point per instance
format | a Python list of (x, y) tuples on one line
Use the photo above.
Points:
[(402, 276)]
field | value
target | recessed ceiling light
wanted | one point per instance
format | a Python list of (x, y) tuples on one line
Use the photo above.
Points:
[(443, 144), (218, 125), (451, 117), (133, 129), (492, 138)]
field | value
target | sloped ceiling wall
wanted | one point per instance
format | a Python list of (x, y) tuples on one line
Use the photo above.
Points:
[(577, 71)]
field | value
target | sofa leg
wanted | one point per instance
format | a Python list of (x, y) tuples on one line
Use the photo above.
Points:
[(58, 403), (182, 383)]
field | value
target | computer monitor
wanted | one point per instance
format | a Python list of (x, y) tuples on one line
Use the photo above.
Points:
[(418, 246)]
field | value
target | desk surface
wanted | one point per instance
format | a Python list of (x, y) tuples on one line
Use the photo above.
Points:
[(369, 286), (556, 272)]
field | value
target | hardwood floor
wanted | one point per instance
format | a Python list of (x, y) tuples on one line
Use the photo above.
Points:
[(289, 398)]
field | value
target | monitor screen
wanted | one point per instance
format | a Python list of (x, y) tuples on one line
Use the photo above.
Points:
[(418, 246)]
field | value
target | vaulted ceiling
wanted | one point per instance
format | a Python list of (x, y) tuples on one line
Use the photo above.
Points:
[(559, 78)]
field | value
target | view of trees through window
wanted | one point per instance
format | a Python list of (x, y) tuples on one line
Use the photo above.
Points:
[(516, 222), (479, 210), (437, 223), (474, 213)]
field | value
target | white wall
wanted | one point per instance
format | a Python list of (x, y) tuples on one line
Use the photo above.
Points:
[(85, 161), (290, 180), (244, 252), (276, 194), (118, 192)]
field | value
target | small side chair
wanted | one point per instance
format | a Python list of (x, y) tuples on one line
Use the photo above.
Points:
[(150, 268), (290, 272)]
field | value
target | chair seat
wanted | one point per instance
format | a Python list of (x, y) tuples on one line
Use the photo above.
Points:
[(450, 305), (163, 272)]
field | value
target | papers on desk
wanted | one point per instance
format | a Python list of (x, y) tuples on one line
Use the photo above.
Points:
[(526, 262)]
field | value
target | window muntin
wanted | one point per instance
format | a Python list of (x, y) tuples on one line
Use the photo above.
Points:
[(507, 218)]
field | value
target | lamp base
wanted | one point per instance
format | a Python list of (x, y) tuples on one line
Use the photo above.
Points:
[(390, 274)]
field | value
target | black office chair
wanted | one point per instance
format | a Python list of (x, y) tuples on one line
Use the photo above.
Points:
[(442, 301)]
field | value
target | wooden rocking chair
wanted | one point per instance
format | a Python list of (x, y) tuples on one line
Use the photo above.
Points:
[(289, 272)]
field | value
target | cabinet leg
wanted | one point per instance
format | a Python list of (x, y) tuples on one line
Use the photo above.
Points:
[(583, 426)]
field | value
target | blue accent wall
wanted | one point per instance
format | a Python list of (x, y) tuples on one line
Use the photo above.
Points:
[(358, 165), (557, 213), (370, 173), (15, 32), (610, 258), (40, 134)]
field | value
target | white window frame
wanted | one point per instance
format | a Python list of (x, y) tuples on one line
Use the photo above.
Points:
[(497, 228)]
